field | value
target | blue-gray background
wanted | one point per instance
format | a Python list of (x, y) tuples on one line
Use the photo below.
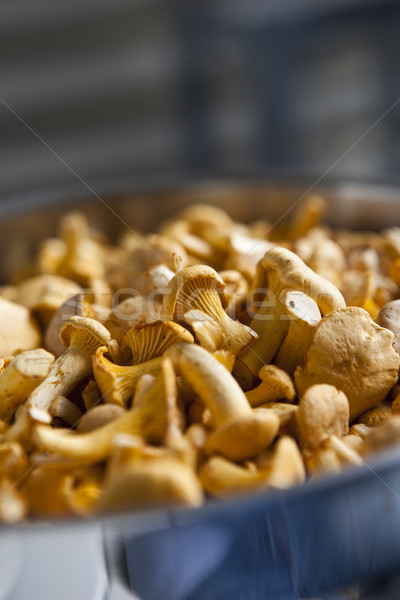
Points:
[(157, 86)]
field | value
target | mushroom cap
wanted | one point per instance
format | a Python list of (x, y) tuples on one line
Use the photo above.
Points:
[(294, 274), (275, 384), (75, 306), (149, 483), (116, 382), (201, 215), (18, 329), (389, 317), (284, 467), (150, 340), (129, 268), (88, 334), (244, 438), (99, 416), (195, 279), (354, 354), (323, 411), (221, 477), (301, 307), (45, 291)]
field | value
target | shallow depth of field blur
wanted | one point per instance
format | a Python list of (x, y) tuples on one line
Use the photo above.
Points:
[(95, 88)]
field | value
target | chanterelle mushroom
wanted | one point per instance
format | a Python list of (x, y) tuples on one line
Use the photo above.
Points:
[(389, 317), (323, 411), (77, 305), (240, 432), (355, 355), (44, 294), (275, 384), (18, 329), (278, 272), (201, 288), (148, 420), (21, 377), (82, 336), (147, 343)]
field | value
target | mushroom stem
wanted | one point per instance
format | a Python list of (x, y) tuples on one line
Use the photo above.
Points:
[(20, 378), (211, 381), (148, 420), (305, 316), (201, 288), (149, 483), (66, 371), (279, 271), (239, 433), (221, 477), (83, 336)]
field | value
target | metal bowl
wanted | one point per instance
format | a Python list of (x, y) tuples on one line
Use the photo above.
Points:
[(277, 545)]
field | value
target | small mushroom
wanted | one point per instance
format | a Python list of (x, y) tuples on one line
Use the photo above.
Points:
[(195, 247), (133, 263), (283, 464), (275, 385), (84, 258), (354, 354), (98, 416), (285, 412), (67, 411), (307, 215), (376, 416), (147, 343), (150, 483), (332, 455), (279, 468), (148, 420), (51, 254), (244, 253), (240, 433), (74, 306), (278, 272), (117, 382), (20, 378), (324, 461), (82, 336), (18, 329), (201, 288), (44, 294), (221, 478), (324, 256), (304, 317), (383, 437), (389, 317), (323, 412)]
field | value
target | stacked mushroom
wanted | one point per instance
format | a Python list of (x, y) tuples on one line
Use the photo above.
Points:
[(209, 359)]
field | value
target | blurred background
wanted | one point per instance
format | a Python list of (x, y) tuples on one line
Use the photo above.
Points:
[(100, 87)]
